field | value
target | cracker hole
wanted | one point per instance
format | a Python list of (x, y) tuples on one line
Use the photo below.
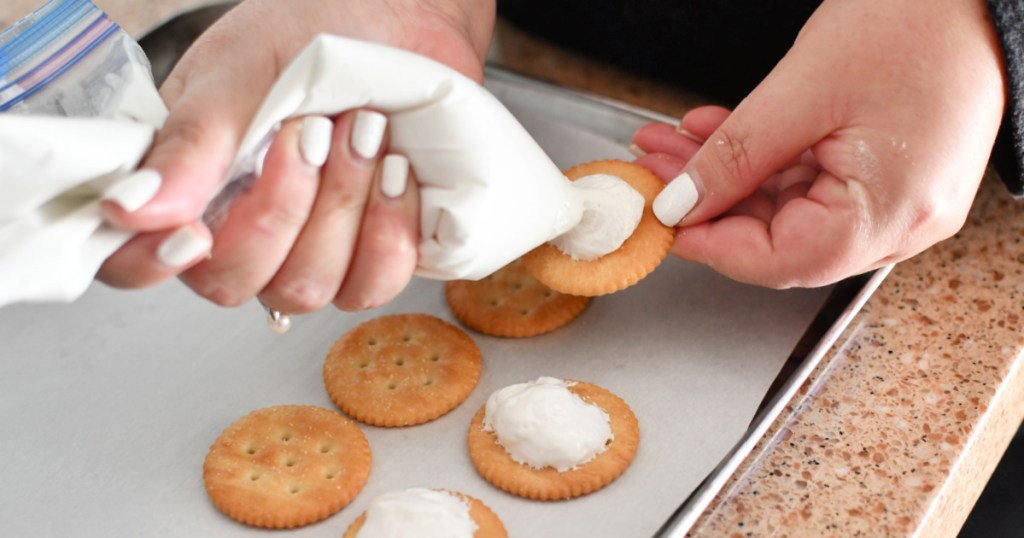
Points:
[(325, 449), (254, 477), (493, 302), (427, 382), (392, 386), (406, 339), (400, 361), (294, 490), (608, 442), (371, 342), (330, 474), (517, 286), (250, 450), (435, 357), (285, 437), (548, 293), (291, 462), (524, 312), (364, 364)]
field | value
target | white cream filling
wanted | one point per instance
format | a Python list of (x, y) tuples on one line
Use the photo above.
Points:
[(418, 512), (543, 424), (611, 212)]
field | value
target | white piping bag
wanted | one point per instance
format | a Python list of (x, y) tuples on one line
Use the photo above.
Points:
[(489, 193)]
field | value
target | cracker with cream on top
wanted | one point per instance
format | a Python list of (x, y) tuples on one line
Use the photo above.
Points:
[(525, 439), (427, 512)]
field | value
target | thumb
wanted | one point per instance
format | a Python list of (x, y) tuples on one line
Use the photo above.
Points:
[(777, 122)]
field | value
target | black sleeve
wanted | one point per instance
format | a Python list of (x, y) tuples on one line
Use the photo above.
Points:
[(1008, 154)]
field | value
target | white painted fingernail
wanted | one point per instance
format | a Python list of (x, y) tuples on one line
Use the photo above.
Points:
[(315, 139), (182, 247), (675, 200), (394, 176), (368, 133), (134, 191), (635, 151)]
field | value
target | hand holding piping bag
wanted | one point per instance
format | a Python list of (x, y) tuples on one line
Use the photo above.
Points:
[(334, 217), (863, 147)]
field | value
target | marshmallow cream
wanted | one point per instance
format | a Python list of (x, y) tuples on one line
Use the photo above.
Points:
[(611, 212), (542, 424), (418, 512)]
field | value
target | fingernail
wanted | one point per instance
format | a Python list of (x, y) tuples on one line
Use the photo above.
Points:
[(394, 176), (315, 139), (675, 200), (635, 151), (368, 133), (134, 191), (182, 247)]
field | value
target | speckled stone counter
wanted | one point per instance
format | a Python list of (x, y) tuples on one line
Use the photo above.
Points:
[(899, 428)]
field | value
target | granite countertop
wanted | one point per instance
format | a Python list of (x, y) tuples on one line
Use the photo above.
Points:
[(899, 428)]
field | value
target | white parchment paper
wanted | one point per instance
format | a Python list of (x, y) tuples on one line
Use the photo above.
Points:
[(108, 405)]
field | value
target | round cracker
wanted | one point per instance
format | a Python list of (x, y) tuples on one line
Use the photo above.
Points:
[(286, 466), (488, 523), (635, 259), (496, 466), (511, 303), (401, 370)]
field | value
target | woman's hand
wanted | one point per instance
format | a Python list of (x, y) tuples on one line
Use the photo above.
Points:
[(864, 146), (332, 218)]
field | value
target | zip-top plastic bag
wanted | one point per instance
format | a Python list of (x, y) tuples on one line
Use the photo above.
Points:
[(72, 85), (69, 59)]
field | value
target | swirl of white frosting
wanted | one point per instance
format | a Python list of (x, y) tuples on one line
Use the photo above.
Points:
[(417, 512), (543, 424), (611, 212)]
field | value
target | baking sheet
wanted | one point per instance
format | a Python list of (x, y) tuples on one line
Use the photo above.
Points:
[(108, 405)]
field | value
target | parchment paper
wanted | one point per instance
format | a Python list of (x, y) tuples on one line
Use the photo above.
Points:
[(108, 405)]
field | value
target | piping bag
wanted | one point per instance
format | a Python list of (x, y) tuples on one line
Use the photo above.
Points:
[(488, 191)]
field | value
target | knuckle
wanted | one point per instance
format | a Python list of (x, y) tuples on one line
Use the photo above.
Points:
[(387, 238), (285, 213), (185, 133), (304, 296), (210, 289), (732, 152), (354, 303)]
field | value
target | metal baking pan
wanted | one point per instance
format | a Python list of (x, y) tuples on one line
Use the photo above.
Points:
[(109, 404)]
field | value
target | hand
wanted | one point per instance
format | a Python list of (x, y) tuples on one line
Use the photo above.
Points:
[(330, 220), (864, 146)]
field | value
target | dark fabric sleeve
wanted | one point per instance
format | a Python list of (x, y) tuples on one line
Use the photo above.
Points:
[(1008, 154)]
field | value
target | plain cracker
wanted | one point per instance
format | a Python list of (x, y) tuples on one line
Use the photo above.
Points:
[(401, 370), (511, 303), (286, 466)]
